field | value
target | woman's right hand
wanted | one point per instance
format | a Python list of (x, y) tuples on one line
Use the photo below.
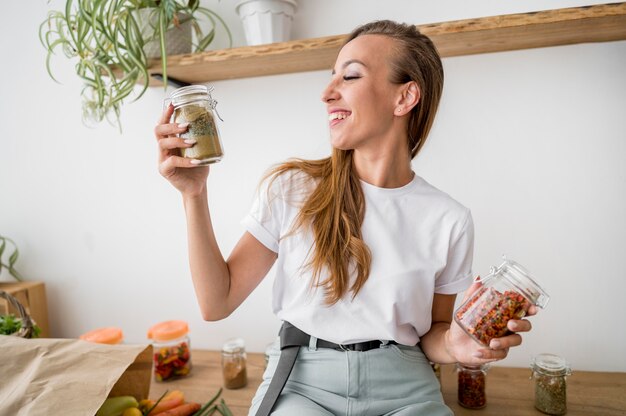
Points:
[(173, 167)]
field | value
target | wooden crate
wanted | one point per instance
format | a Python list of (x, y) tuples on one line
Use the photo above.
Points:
[(32, 295)]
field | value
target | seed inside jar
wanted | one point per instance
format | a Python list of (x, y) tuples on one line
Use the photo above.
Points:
[(201, 128)]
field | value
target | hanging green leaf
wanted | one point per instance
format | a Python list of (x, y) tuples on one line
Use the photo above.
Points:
[(105, 39), (10, 265)]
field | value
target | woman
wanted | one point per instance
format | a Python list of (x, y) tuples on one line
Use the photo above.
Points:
[(369, 256)]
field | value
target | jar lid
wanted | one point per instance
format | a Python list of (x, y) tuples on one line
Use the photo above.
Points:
[(551, 364), (469, 367), (108, 335), (522, 280), (233, 346), (192, 93), (168, 330)]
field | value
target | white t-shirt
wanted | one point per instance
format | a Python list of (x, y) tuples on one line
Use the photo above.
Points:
[(421, 242)]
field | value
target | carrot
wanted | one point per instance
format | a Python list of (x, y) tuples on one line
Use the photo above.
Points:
[(186, 409), (171, 400)]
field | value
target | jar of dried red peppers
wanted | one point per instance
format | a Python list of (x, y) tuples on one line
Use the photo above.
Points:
[(171, 350), (471, 385), (506, 293)]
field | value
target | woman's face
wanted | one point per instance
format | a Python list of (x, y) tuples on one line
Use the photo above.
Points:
[(360, 99)]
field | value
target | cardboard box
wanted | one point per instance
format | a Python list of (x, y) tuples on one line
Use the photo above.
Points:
[(32, 296)]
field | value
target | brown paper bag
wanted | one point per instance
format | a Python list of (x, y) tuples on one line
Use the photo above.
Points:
[(68, 376)]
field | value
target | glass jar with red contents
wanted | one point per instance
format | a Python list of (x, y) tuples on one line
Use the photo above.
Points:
[(171, 350), (471, 385), (506, 293)]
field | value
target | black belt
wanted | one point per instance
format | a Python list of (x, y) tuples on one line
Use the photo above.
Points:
[(291, 339)]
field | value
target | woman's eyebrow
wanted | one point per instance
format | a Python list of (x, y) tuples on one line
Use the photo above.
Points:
[(348, 62)]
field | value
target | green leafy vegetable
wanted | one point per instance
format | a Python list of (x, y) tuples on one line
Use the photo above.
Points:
[(10, 324)]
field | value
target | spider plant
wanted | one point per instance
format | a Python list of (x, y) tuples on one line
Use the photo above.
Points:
[(105, 38), (10, 264)]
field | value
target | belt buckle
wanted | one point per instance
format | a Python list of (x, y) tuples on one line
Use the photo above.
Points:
[(342, 347)]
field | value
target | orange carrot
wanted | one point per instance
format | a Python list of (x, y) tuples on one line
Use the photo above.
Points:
[(171, 400), (186, 409)]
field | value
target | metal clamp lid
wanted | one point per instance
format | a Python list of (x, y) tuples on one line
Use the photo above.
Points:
[(191, 93)]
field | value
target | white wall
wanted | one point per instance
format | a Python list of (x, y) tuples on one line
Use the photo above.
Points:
[(532, 141)]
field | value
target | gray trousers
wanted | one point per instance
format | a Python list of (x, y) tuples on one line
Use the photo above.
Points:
[(393, 380)]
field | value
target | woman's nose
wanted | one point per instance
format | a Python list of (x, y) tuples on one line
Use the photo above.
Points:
[(330, 93)]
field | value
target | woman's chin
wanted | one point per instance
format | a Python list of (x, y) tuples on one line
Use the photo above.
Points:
[(341, 144)]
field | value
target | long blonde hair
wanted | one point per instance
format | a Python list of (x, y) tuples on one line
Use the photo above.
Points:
[(335, 209)]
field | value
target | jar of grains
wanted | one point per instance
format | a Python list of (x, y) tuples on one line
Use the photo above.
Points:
[(234, 364), (506, 293), (549, 372), (193, 104), (171, 350), (471, 385)]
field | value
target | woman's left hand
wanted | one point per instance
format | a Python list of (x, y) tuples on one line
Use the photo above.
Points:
[(467, 351)]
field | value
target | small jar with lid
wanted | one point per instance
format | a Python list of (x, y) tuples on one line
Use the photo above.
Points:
[(193, 104), (171, 350), (506, 293), (109, 335), (549, 373), (471, 385), (234, 364)]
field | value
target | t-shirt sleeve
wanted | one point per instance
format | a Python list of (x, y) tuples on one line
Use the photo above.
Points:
[(265, 217), (457, 275)]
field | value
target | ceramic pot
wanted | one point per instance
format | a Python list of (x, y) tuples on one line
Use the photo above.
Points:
[(266, 21), (177, 38)]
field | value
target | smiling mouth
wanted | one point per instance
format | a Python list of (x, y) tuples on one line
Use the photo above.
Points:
[(337, 116)]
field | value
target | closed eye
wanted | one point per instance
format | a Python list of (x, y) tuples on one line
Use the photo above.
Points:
[(349, 78)]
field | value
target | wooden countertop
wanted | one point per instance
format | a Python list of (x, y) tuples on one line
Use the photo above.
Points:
[(509, 390)]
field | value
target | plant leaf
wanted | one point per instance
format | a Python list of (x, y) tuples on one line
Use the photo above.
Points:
[(13, 258), (2, 246)]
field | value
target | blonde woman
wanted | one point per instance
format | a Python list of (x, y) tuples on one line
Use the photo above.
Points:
[(369, 256)]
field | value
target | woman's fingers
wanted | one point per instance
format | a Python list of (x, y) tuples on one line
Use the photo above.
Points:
[(490, 355), (169, 165), (162, 131), (519, 325), (166, 115), (532, 310), (505, 342), (170, 143)]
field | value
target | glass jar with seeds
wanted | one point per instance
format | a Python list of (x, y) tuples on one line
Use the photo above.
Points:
[(506, 293), (549, 373), (193, 104), (471, 385)]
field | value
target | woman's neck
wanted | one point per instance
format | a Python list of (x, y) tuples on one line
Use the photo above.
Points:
[(383, 169)]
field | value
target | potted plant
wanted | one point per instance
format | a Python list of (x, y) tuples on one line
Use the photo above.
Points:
[(108, 38)]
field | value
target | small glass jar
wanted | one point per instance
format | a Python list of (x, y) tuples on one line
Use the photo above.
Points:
[(234, 364), (506, 293), (110, 335), (549, 373), (171, 350), (471, 385), (193, 104)]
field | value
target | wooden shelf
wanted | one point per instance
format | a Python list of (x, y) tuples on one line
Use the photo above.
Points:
[(598, 23)]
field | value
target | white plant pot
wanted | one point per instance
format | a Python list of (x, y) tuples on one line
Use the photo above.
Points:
[(266, 21), (177, 39)]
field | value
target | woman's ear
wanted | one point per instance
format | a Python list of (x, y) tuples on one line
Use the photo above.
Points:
[(410, 96)]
